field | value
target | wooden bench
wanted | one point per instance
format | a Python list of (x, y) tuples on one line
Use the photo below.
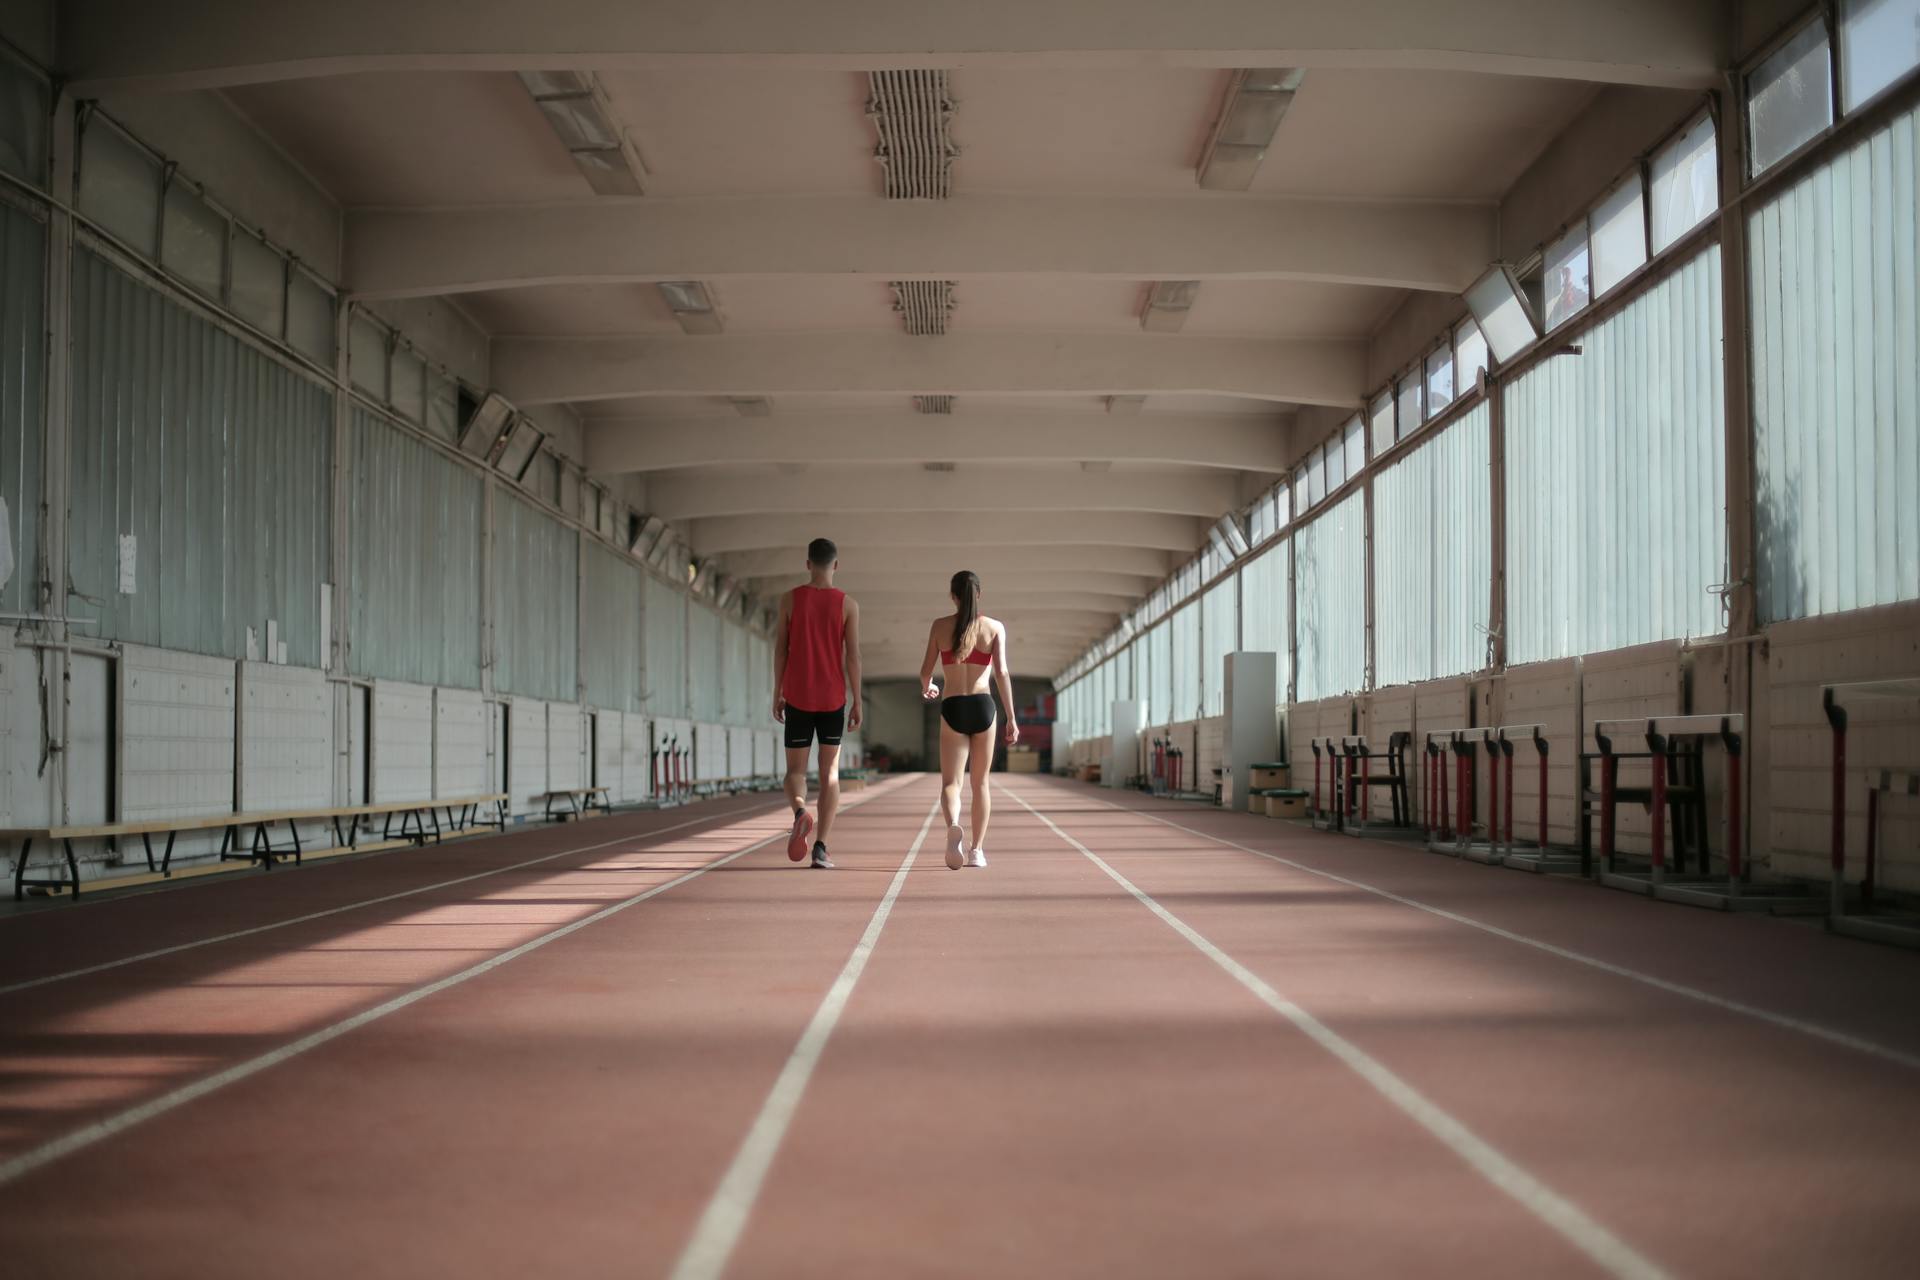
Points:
[(577, 802), (462, 812)]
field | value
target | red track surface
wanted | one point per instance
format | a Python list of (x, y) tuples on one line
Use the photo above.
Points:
[(1035, 1075)]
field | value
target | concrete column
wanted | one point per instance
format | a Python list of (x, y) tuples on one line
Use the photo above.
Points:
[(52, 596)]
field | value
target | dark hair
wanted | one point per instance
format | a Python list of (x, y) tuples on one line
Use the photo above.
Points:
[(821, 552), (966, 592)]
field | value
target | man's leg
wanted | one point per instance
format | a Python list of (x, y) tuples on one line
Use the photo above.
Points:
[(796, 781), (829, 788), (799, 740)]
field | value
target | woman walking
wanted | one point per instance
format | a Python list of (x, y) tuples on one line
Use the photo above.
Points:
[(971, 650)]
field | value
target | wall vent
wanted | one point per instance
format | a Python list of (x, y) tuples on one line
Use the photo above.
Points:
[(911, 112), (924, 305), (933, 404)]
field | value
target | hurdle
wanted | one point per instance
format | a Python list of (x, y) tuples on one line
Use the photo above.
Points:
[(1869, 918), (1360, 756), (1450, 758), (1535, 855), (1328, 814)]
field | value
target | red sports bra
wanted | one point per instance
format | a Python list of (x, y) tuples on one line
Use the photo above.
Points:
[(975, 658)]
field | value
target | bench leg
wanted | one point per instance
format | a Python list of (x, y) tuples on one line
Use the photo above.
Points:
[(20, 870), (166, 862), (438, 838), (73, 866), (293, 825), (146, 843)]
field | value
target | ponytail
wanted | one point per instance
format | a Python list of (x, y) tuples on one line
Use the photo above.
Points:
[(966, 615)]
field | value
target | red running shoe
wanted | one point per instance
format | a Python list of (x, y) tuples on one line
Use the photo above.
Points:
[(797, 843)]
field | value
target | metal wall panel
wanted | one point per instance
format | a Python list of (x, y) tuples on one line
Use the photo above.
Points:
[(1433, 556), (1330, 570), (536, 563), (213, 456), (414, 611), (611, 646), (1836, 381), (23, 357), (663, 625), (1616, 479), (704, 662)]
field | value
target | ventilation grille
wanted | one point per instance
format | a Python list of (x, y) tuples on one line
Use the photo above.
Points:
[(933, 404), (910, 111), (924, 305)]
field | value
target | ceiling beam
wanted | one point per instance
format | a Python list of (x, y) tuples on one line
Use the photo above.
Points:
[(979, 489), (888, 558), (1403, 245), (535, 371), (931, 581), (930, 601), (934, 527), (139, 45), (1239, 442)]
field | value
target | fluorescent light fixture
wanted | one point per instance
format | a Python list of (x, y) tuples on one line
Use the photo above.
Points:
[(1167, 304), (1257, 100), (691, 304), (1502, 314), (577, 111), (486, 427)]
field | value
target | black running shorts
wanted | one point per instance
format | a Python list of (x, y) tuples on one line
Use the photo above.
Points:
[(968, 713), (803, 725)]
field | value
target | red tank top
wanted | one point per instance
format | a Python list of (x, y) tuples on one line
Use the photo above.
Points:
[(816, 650)]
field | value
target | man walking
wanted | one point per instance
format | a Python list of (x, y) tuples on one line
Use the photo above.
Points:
[(816, 662)]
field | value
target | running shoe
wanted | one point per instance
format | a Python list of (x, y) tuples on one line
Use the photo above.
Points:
[(802, 830), (978, 858), (956, 848), (821, 862)]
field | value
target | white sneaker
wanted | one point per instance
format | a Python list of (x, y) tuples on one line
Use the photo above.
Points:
[(956, 848), (978, 858)]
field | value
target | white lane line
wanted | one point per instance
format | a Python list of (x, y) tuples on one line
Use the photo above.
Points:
[(1844, 1039), (726, 1213), (368, 902), (101, 1130), (1562, 1215)]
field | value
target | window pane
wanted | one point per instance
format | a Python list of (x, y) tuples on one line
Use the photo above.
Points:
[(1260, 521), (443, 407), (1790, 97), (1380, 418), (1336, 464), (1569, 279), (1686, 184), (1317, 476), (1439, 380), (1502, 316), (25, 116), (193, 243), (120, 186), (1409, 397), (310, 318), (409, 392), (1469, 354), (1356, 446), (259, 284), (1301, 501), (1619, 235), (1879, 43), (367, 357)]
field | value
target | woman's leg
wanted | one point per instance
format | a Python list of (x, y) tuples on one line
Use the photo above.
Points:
[(953, 759), (979, 766)]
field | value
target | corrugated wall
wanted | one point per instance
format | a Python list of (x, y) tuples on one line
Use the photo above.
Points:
[(733, 673), (1330, 591), (1616, 479), (705, 662), (23, 356), (536, 562), (1263, 609), (663, 625), (415, 585), (1433, 556), (213, 456), (1836, 381), (611, 676), (1184, 703), (1219, 636)]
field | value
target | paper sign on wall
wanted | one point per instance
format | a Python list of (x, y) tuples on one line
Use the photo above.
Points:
[(129, 546)]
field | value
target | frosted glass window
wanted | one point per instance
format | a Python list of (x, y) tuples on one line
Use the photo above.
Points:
[(1409, 416), (1380, 422), (25, 117), (1439, 380), (1619, 235), (1686, 183), (1301, 499), (1879, 43), (1355, 443), (1501, 314), (1336, 464), (1317, 476), (310, 318), (409, 390), (258, 284), (1469, 355), (1260, 525), (1263, 609), (1220, 626), (1185, 704), (1160, 672), (193, 241), (120, 186), (1790, 97), (443, 407), (1569, 280), (367, 357)]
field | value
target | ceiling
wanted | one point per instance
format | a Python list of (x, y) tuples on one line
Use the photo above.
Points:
[(1079, 128)]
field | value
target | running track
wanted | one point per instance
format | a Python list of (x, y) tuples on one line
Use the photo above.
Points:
[(1150, 1040)]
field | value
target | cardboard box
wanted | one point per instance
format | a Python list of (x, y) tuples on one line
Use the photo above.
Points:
[(1268, 777), (1023, 761), (1286, 804)]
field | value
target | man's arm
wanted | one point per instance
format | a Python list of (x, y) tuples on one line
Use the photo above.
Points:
[(780, 658), (852, 615)]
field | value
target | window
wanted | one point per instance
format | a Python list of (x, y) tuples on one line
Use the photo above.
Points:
[(367, 358), (1439, 380), (1356, 446), (409, 378), (1220, 627), (1336, 464), (257, 288), (1569, 279), (1503, 317), (1790, 97), (193, 240), (1686, 183), (1380, 420), (1469, 355), (310, 317), (120, 186), (1317, 475), (25, 113), (1302, 501), (1185, 703), (1260, 520), (1408, 395), (1879, 43), (1619, 235)]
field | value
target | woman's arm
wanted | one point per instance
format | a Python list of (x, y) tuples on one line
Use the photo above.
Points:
[(928, 689), (1005, 681)]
